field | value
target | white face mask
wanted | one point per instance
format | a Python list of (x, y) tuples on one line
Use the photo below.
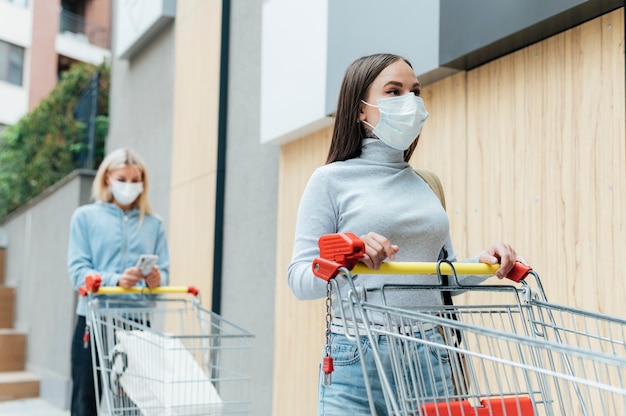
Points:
[(401, 120), (125, 192)]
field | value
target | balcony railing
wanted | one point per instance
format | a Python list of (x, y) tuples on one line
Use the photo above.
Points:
[(95, 34)]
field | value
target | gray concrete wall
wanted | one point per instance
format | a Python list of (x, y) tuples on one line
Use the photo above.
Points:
[(362, 27), (141, 111), (36, 266), (249, 267), (467, 27)]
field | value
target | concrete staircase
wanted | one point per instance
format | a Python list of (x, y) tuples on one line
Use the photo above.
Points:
[(15, 382)]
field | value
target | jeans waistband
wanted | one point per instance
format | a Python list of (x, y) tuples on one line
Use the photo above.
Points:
[(337, 327)]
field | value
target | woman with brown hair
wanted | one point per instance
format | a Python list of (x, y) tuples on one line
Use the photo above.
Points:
[(368, 188)]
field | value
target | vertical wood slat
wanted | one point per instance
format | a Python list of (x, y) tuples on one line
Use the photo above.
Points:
[(442, 148), (194, 145), (299, 326), (531, 150)]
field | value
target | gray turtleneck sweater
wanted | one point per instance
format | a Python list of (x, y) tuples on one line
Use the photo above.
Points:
[(379, 192)]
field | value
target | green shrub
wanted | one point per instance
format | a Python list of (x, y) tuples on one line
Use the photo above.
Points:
[(45, 145)]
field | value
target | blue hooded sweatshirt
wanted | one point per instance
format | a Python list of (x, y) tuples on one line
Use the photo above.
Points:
[(106, 240)]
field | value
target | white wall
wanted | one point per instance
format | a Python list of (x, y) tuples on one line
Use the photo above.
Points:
[(13, 102), (77, 46), (293, 66), (306, 46), (137, 22), (15, 28), (15, 24)]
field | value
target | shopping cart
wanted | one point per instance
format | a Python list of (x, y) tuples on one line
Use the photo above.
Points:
[(521, 355), (161, 353)]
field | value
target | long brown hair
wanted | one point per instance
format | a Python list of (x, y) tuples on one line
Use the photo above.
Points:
[(348, 132)]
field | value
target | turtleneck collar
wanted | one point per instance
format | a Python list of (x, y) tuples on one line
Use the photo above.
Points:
[(376, 151)]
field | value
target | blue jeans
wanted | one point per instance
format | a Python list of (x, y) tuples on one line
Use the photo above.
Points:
[(347, 395)]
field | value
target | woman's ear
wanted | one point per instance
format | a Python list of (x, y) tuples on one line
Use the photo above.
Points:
[(362, 112)]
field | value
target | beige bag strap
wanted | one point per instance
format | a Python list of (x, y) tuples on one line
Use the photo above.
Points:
[(433, 181), (458, 364)]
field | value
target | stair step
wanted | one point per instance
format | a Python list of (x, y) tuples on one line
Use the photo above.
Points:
[(12, 350), (7, 306), (18, 385)]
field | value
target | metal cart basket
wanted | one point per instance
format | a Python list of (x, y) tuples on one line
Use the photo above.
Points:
[(520, 355), (161, 353)]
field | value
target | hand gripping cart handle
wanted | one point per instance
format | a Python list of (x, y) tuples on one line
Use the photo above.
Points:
[(156, 354), (346, 249), (341, 252), (93, 285), (510, 352)]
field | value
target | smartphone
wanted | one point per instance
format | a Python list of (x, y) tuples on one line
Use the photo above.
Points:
[(146, 262)]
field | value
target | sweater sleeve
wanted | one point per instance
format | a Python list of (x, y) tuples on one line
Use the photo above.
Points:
[(316, 217), (80, 261)]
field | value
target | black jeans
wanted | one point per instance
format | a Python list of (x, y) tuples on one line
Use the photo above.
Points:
[(83, 388)]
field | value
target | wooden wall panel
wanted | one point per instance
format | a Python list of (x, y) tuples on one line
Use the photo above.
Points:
[(546, 140), (531, 150), (443, 149), (299, 326), (611, 168), (194, 144)]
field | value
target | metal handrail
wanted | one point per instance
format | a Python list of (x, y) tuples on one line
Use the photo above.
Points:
[(95, 34)]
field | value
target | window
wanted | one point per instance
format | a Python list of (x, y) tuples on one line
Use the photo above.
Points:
[(11, 63)]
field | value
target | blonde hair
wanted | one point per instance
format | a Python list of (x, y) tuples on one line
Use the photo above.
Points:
[(119, 159)]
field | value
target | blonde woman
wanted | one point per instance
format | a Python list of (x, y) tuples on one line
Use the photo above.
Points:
[(107, 237)]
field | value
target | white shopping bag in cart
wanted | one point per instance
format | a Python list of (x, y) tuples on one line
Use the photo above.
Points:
[(163, 378)]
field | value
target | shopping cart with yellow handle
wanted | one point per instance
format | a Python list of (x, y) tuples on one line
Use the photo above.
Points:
[(513, 354), (159, 352)]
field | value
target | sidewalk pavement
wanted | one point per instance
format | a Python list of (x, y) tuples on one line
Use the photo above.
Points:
[(30, 407)]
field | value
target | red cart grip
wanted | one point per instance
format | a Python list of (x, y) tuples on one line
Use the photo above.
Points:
[(507, 406), (92, 285), (336, 251), (325, 269), (519, 272)]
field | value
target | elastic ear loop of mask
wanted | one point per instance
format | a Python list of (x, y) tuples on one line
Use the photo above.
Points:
[(365, 122)]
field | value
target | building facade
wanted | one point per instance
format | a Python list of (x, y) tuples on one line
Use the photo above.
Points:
[(41, 39), (254, 89), (231, 103)]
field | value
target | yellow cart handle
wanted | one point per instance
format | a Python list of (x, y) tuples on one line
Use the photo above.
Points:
[(427, 268), (519, 272), (93, 285), (344, 250)]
